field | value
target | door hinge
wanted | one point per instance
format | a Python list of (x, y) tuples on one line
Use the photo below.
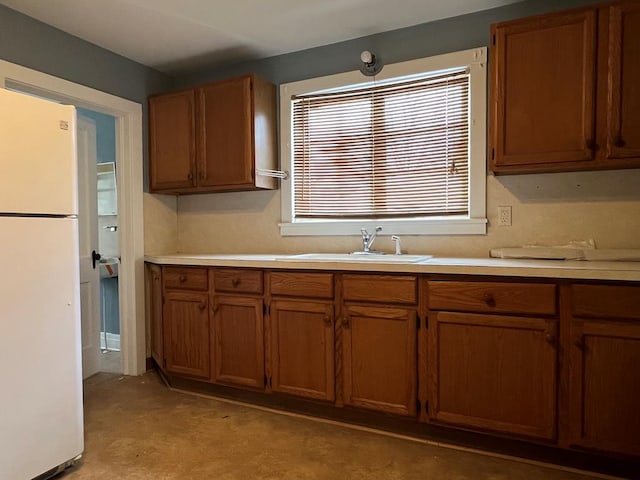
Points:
[(270, 384), (266, 309), (426, 407), (265, 380), (163, 299), (493, 154), (418, 405), (494, 39), (426, 322), (418, 322)]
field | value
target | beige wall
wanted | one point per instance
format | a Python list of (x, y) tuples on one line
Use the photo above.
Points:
[(160, 223), (548, 209)]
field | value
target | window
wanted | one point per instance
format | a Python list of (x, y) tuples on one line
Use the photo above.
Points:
[(405, 149)]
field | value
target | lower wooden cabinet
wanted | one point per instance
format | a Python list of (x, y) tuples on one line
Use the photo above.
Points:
[(604, 357), (155, 313), (554, 361), (605, 386), (380, 358), (238, 341), (494, 372), (186, 333), (302, 348)]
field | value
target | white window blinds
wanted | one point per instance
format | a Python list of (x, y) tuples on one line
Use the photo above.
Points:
[(390, 150)]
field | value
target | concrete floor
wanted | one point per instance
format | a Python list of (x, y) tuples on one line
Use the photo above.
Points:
[(136, 429)]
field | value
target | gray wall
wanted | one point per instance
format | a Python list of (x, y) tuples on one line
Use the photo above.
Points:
[(443, 36), (35, 45)]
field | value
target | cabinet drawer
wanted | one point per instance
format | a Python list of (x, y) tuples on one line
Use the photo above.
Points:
[(185, 278), (295, 284), (605, 301), (381, 288), (236, 280), (533, 298)]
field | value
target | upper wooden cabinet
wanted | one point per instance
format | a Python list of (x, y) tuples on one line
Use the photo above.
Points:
[(563, 94), (213, 138)]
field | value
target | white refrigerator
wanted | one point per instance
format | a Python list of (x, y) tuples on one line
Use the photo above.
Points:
[(41, 421)]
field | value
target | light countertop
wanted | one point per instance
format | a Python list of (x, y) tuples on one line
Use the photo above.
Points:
[(554, 269)]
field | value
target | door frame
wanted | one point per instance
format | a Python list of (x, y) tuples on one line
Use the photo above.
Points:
[(129, 174)]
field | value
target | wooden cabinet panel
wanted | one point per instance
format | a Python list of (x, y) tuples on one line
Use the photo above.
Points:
[(380, 288), (225, 134), (155, 313), (494, 372), (543, 91), (237, 280), (302, 359), (605, 386), (605, 301), (623, 95), (493, 297), (172, 151), (214, 138), (186, 333), (238, 341), (379, 358), (301, 284), (185, 278)]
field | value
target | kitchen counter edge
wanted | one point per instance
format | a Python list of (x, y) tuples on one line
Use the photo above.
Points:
[(553, 269)]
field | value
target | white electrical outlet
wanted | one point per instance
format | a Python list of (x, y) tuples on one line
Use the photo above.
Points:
[(504, 215)]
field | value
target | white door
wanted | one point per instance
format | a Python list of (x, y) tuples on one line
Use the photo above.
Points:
[(88, 229)]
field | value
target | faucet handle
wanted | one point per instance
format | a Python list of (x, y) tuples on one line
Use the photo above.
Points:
[(396, 239)]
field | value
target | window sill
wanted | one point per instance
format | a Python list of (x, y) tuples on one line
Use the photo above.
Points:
[(448, 226)]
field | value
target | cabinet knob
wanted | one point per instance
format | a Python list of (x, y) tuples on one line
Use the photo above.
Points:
[(550, 339), (182, 278), (235, 282), (619, 142), (489, 299), (190, 176), (202, 306), (579, 343), (215, 307), (345, 322), (327, 320)]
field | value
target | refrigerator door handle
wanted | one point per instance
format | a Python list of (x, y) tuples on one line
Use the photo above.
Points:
[(95, 256)]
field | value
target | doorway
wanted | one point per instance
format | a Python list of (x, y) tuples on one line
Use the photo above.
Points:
[(128, 126), (108, 245)]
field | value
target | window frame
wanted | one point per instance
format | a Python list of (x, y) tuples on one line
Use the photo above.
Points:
[(473, 224)]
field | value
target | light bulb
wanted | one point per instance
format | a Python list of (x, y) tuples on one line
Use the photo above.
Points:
[(366, 56)]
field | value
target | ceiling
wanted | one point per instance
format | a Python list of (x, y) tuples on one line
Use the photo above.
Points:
[(180, 36)]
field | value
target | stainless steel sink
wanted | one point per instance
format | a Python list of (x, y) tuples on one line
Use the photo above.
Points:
[(354, 257)]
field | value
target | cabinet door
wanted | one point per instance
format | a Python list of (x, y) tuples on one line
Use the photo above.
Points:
[(155, 313), (302, 348), (604, 386), (380, 358), (172, 147), (623, 121), (543, 91), (493, 372), (239, 341), (186, 335), (226, 135)]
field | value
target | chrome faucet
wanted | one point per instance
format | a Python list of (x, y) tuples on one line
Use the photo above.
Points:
[(368, 238)]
